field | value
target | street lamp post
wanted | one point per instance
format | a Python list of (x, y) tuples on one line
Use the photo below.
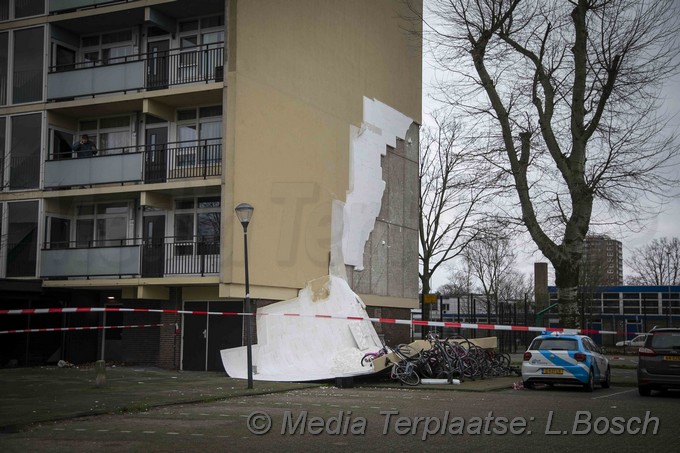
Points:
[(244, 212)]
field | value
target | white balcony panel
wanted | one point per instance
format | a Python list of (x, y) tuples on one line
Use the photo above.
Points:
[(96, 170), (101, 79), (100, 261), (65, 5)]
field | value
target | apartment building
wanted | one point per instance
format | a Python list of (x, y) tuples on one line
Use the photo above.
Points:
[(602, 262), (307, 110)]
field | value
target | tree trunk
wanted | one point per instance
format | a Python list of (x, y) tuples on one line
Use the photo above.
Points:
[(425, 312), (566, 280)]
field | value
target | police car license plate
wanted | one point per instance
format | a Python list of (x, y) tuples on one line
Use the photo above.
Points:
[(553, 371), (672, 358)]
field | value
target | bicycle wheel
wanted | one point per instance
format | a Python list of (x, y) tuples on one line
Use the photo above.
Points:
[(367, 359), (405, 373)]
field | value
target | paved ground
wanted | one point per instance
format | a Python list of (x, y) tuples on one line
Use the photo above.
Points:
[(31, 395), (377, 419)]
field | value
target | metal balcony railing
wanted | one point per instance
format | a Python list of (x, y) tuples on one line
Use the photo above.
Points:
[(144, 163), (152, 71), (174, 255)]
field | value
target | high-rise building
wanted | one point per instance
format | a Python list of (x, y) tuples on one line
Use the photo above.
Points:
[(307, 110), (602, 262)]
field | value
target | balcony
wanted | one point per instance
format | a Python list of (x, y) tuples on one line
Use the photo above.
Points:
[(145, 163), (153, 71), (132, 258), (70, 5), (181, 256), (96, 259)]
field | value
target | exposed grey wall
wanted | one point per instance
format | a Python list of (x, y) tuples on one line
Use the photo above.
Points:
[(391, 252)]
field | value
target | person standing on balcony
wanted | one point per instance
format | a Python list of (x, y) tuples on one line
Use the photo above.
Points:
[(85, 148)]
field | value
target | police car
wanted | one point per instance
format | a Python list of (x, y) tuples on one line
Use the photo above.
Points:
[(564, 358)]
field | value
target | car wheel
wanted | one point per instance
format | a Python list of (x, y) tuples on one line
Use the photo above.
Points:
[(528, 385), (644, 390), (607, 379), (590, 386)]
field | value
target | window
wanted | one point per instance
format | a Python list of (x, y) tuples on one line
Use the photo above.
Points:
[(107, 48), (17, 9), (197, 220), (200, 132), (3, 67), (25, 151), (22, 239), (111, 135), (102, 224), (201, 43), (555, 344), (27, 74)]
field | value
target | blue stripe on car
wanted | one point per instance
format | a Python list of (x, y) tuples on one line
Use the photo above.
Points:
[(578, 372)]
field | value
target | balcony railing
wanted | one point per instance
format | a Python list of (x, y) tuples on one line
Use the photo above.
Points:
[(111, 257), (70, 5), (132, 257), (181, 256), (144, 163), (150, 71)]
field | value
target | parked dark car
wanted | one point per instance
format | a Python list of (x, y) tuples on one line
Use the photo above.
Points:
[(659, 361)]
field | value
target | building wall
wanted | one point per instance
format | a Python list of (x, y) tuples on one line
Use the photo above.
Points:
[(298, 74)]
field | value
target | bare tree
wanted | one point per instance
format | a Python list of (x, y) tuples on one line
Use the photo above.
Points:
[(490, 260), (564, 95), (657, 263), (452, 195), (460, 282)]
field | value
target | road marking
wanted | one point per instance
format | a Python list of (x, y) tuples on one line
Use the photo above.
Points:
[(612, 394), (58, 429), (172, 433), (125, 432), (149, 432), (102, 430), (196, 434)]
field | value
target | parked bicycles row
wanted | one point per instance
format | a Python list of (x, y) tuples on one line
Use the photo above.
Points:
[(453, 358)]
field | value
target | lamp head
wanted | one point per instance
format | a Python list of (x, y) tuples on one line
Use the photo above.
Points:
[(244, 212)]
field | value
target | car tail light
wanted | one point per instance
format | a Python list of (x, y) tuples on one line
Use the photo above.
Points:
[(580, 357), (646, 352), (527, 356)]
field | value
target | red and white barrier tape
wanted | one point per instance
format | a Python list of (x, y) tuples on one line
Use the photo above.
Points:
[(459, 325), (59, 329)]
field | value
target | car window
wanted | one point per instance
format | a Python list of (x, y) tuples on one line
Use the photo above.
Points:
[(555, 344), (666, 340)]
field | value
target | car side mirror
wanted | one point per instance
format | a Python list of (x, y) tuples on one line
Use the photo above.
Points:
[(603, 350)]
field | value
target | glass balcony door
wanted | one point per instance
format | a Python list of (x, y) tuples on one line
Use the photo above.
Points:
[(155, 168), (158, 65), (153, 253)]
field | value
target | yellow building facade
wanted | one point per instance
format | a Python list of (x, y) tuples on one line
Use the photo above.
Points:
[(307, 110)]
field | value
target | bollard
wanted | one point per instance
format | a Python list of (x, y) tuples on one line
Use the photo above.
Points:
[(100, 369)]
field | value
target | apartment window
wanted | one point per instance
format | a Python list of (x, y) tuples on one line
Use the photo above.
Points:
[(199, 219), (111, 135), (22, 239), (21, 8), (3, 125), (107, 48), (206, 33), (102, 224), (64, 58), (200, 131), (27, 74), (24, 171), (4, 37)]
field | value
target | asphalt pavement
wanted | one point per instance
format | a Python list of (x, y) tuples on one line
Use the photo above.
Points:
[(47, 393)]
